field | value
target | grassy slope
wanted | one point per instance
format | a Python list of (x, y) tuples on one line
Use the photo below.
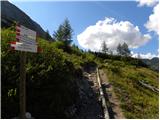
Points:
[(136, 101)]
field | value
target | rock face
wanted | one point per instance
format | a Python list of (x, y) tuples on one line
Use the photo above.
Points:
[(10, 13)]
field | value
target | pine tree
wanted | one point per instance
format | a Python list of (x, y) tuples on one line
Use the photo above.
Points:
[(123, 50), (48, 37), (104, 47), (64, 33), (119, 49)]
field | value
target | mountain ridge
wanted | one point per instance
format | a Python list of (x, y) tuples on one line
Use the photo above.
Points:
[(152, 63), (11, 13)]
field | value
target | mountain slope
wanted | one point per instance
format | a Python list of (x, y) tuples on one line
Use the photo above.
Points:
[(10, 13), (136, 100), (153, 63), (55, 87), (54, 78)]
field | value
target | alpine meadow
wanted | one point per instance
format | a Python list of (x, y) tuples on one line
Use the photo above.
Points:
[(85, 67)]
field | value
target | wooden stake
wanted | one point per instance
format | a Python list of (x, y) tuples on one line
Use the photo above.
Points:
[(22, 85)]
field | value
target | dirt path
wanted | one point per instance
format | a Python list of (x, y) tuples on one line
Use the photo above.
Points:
[(113, 102)]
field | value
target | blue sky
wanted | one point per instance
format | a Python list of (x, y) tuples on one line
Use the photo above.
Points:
[(81, 15)]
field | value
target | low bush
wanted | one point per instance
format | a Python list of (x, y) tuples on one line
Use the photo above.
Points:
[(50, 83)]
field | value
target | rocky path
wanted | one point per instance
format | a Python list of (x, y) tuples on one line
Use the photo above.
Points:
[(89, 106)]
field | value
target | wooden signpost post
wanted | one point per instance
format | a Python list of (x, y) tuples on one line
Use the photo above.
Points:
[(22, 86), (26, 42)]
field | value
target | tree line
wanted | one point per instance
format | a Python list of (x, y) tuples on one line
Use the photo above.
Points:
[(64, 34), (122, 49)]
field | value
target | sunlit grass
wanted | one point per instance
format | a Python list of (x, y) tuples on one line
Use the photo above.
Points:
[(136, 101)]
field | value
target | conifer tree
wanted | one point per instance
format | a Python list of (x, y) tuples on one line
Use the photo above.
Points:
[(104, 47)]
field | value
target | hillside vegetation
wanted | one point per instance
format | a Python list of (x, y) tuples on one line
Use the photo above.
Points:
[(52, 77), (136, 100)]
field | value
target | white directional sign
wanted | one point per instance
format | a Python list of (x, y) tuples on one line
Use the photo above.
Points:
[(26, 40), (26, 32), (25, 35), (24, 47)]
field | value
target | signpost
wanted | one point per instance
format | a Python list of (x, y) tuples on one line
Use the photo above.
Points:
[(26, 42), (22, 86)]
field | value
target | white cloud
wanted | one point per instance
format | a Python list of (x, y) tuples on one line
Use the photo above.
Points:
[(143, 56), (149, 3), (113, 33), (153, 24)]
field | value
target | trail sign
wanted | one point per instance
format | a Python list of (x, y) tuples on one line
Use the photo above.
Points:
[(24, 47), (25, 31), (26, 42)]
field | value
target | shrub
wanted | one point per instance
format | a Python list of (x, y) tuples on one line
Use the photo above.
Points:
[(50, 82)]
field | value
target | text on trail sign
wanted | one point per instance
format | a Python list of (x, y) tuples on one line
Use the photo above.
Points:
[(24, 47), (25, 31), (26, 40)]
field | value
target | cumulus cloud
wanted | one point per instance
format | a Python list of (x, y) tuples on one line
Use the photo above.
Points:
[(143, 56), (149, 3), (112, 32), (153, 24)]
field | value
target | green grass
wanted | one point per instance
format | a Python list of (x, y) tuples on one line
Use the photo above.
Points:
[(55, 69), (136, 101)]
